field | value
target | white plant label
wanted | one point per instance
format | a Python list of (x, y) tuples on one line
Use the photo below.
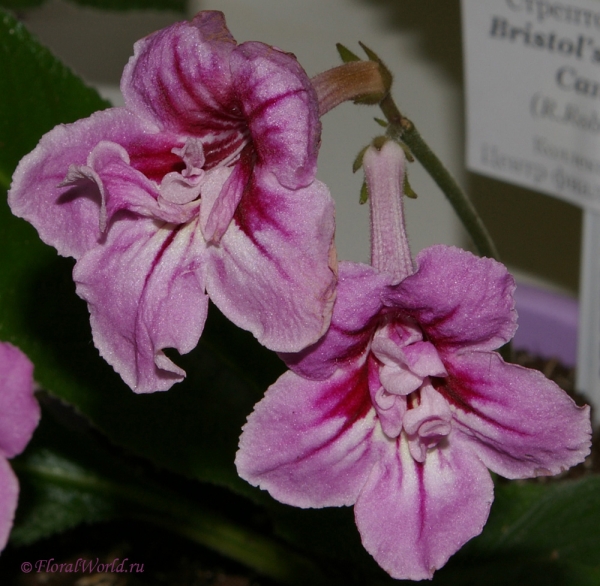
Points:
[(533, 119), (533, 94)]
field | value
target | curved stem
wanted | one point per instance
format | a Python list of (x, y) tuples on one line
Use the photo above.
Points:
[(401, 128)]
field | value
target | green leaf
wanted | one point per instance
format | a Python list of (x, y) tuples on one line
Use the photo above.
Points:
[(56, 494), (119, 5), (67, 478), (20, 4), (537, 534), (37, 92), (328, 534), (559, 521), (173, 5)]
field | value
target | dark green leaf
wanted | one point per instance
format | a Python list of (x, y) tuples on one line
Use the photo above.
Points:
[(119, 5), (60, 482), (538, 534), (36, 93), (328, 534), (20, 4), (174, 5), (559, 521), (55, 497), (68, 477)]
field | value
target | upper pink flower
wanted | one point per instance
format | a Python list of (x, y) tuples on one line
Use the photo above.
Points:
[(403, 406), (204, 183), (19, 416)]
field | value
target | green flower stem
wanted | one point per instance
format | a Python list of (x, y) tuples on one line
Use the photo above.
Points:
[(169, 510), (401, 128)]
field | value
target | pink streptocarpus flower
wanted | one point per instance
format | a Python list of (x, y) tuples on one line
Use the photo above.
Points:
[(19, 416), (203, 185), (403, 406)]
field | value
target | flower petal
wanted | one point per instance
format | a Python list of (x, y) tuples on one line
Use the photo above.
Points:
[(309, 443), (412, 517), (68, 217), (19, 411), (272, 272), (179, 77), (422, 359), (145, 292), (282, 111), (9, 493), (520, 423), (459, 299), (357, 306), (121, 187)]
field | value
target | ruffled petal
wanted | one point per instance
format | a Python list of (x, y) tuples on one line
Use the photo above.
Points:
[(311, 443), (281, 109), (9, 494), (520, 424), (459, 299), (145, 292), (427, 423), (357, 307), (179, 77), (422, 359), (399, 381), (390, 411), (178, 189), (121, 187), (273, 272), (19, 411), (68, 217), (412, 517)]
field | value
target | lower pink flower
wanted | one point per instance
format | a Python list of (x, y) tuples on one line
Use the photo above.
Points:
[(19, 416), (403, 406)]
